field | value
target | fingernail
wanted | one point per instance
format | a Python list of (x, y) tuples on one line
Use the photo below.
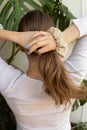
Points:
[(28, 52), (30, 36), (26, 46)]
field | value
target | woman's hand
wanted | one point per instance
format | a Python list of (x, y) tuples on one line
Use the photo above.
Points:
[(34, 41), (24, 38), (40, 42)]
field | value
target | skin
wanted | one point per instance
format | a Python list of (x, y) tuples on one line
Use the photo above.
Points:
[(42, 40), (47, 43), (39, 39)]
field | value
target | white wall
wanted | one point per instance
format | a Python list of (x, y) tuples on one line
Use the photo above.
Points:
[(74, 6), (77, 7)]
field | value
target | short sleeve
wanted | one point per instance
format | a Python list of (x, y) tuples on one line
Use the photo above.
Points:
[(81, 24), (8, 76)]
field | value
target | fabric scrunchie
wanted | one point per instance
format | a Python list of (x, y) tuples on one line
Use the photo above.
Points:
[(61, 45)]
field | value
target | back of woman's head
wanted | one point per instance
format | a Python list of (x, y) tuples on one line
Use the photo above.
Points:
[(57, 82), (35, 21)]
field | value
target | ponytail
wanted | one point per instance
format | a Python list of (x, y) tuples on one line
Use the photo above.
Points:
[(57, 82)]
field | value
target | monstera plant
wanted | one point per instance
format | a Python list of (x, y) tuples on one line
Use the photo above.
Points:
[(11, 12)]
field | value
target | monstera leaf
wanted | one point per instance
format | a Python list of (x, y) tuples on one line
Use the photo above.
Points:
[(13, 10)]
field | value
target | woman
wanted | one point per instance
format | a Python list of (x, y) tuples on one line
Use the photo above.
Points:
[(41, 99)]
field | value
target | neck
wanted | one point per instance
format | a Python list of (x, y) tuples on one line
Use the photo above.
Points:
[(33, 70)]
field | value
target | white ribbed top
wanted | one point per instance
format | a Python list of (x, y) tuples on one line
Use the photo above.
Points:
[(32, 107)]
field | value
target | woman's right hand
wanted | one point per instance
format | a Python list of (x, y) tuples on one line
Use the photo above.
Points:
[(23, 38), (36, 41)]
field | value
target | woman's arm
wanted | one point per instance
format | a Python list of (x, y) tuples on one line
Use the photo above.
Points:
[(8, 35), (43, 40), (71, 33), (40, 39), (22, 38), (46, 43), (76, 64), (77, 29)]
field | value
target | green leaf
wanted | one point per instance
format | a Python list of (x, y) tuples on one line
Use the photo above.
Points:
[(43, 2), (10, 21), (1, 1), (75, 105), (81, 126), (82, 102), (85, 82), (5, 12), (48, 5), (33, 4), (64, 10), (24, 8)]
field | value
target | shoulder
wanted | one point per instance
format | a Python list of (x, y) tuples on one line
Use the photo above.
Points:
[(8, 75)]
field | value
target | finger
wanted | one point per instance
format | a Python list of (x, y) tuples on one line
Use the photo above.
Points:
[(38, 40), (36, 46), (41, 33), (43, 50), (48, 47), (26, 46)]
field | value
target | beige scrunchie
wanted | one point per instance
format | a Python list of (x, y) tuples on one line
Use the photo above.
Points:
[(62, 46)]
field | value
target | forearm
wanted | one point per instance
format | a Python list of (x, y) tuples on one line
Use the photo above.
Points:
[(76, 30), (21, 38), (8, 35), (71, 33)]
